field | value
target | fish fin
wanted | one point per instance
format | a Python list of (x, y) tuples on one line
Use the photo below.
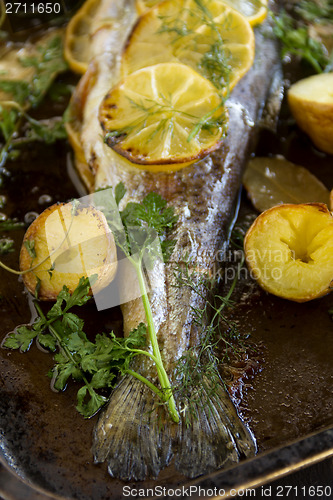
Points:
[(213, 435), (129, 434)]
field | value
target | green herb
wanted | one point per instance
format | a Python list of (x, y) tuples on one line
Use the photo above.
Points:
[(297, 41), (330, 312), (219, 331), (47, 61), (38, 285), (95, 364), (47, 131), (150, 108), (30, 246), (10, 225), (6, 246), (214, 63), (59, 90), (316, 11), (19, 90), (9, 124), (136, 230)]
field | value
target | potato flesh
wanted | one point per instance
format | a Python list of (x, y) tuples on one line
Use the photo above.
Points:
[(289, 250), (311, 103), (69, 244)]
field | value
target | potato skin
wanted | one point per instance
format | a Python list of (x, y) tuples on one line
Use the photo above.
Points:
[(311, 105), (86, 221), (289, 251)]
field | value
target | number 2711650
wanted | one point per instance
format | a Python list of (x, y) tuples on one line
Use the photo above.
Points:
[(33, 8)]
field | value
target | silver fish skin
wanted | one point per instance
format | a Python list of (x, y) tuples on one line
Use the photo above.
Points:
[(128, 435)]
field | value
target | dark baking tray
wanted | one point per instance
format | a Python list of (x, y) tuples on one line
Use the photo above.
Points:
[(284, 391)]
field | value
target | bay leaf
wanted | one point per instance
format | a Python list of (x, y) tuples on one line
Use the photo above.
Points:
[(272, 181)]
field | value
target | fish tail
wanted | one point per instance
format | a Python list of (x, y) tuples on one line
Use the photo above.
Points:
[(130, 436), (138, 443), (212, 435)]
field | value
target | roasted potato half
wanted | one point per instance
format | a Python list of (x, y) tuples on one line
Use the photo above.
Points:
[(63, 244), (311, 103), (289, 251)]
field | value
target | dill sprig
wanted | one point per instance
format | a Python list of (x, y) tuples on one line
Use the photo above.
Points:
[(214, 64), (165, 114), (219, 332)]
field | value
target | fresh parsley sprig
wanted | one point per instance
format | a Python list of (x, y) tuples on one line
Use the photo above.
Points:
[(136, 229), (314, 11), (296, 40), (6, 246), (94, 364), (47, 62)]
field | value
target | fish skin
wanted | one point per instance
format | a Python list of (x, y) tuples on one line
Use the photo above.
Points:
[(128, 435)]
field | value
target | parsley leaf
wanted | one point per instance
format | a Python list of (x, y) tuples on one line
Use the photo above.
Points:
[(21, 338), (119, 192), (141, 234), (30, 246), (6, 246), (297, 41), (47, 62), (152, 211), (94, 364), (10, 225)]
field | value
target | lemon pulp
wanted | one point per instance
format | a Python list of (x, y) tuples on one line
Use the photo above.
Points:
[(209, 36), (163, 114)]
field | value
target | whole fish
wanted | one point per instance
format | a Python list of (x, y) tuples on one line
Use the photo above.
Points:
[(128, 434)]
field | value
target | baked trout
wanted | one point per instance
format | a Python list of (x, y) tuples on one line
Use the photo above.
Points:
[(128, 434)]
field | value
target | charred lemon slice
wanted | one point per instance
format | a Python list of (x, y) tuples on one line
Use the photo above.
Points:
[(209, 36), (255, 11), (165, 114), (78, 36), (289, 250)]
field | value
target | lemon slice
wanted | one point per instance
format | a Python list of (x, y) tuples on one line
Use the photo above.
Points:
[(142, 6), (166, 114), (79, 30), (255, 11), (209, 36)]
